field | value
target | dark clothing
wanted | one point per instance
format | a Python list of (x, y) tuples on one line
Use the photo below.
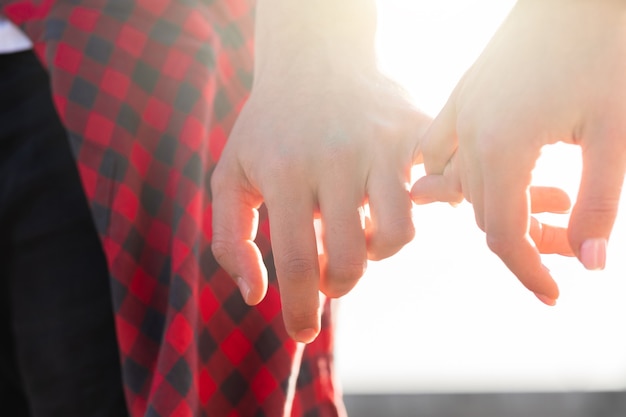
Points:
[(56, 312)]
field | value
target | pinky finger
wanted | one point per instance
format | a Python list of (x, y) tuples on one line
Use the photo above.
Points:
[(432, 188), (444, 187), (550, 239)]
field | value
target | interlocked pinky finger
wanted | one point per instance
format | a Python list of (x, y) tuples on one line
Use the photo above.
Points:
[(444, 187)]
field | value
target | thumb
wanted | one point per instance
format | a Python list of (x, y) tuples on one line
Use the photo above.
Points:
[(235, 223), (593, 215)]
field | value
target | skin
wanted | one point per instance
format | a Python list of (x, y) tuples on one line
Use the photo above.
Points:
[(554, 71), (322, 135)]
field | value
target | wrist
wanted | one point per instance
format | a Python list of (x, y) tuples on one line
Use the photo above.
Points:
[(322, 34)]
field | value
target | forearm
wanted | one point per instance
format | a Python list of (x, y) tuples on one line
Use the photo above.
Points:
[(328, 32)]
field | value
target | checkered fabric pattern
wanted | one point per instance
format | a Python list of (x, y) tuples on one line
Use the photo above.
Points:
[(148, 91)]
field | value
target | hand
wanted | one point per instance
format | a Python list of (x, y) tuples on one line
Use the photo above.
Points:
[(555, 71), (312, 145)]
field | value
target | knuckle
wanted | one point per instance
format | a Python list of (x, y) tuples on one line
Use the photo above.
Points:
[(389, 239), (341, 278), (295, 267), (339, 151), (393, 129), (502, 246), (338, 290), (346, 272), (279, 171), (594, 216), (279, 166), (488, 141), (600, 208), (222, 250), (395, 233)]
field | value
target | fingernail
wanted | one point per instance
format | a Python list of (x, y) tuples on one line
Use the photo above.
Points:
[(244, 288), (306, 336), (593, 254), (546, 300)]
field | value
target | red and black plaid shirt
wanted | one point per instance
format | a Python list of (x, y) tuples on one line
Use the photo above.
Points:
[(148, 91)]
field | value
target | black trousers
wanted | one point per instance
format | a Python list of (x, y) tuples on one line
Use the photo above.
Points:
[(58, 350)]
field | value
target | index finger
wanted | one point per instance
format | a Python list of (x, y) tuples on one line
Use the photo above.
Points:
[(507, 222)]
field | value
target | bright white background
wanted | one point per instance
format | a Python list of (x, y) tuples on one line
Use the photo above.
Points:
[(444, 314)]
